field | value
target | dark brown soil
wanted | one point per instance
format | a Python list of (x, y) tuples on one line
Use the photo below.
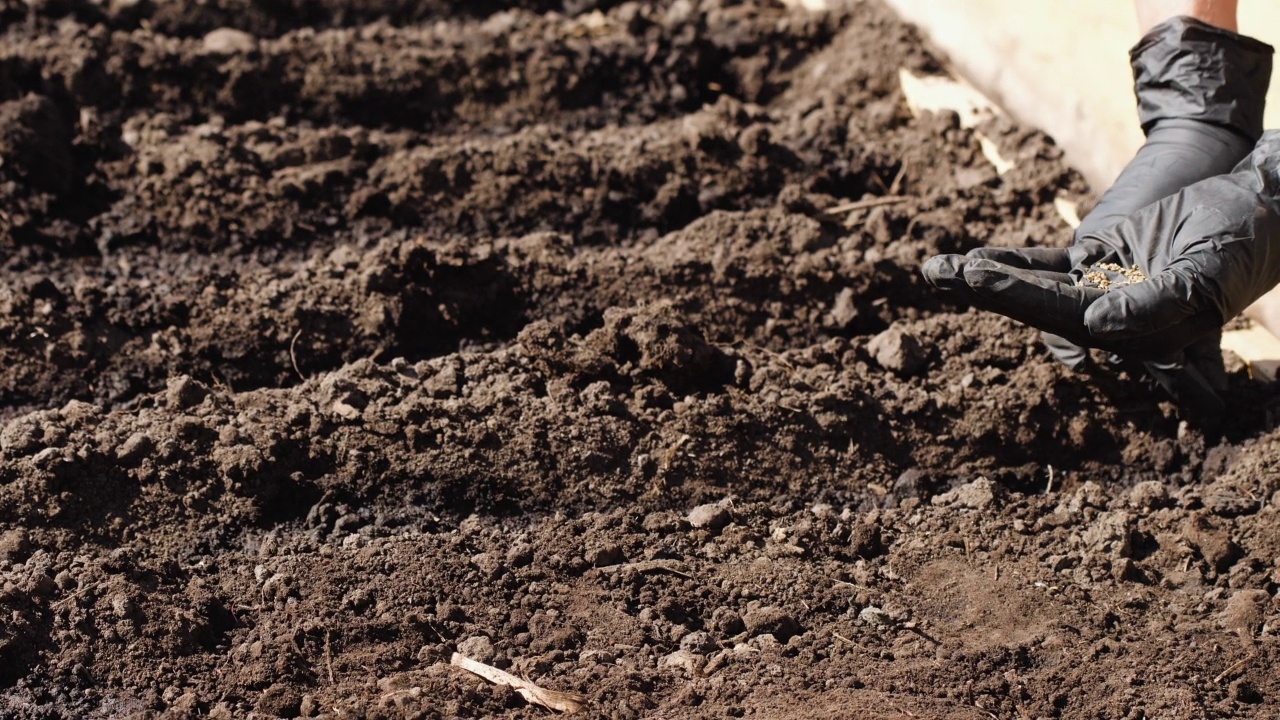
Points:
[(389, 330)]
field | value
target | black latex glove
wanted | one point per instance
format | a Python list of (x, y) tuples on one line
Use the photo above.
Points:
[(1200, 92), (1207, 251)]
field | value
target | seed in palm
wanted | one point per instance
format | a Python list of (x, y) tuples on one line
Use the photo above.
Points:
[(1109, 276)]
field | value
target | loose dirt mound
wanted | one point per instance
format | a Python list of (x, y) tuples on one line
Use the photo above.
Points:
[(340, 336)]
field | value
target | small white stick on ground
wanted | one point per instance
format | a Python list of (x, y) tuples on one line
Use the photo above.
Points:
[(648, 566), (1068, 211), (864, 204), (1235, 668), (551, 699)]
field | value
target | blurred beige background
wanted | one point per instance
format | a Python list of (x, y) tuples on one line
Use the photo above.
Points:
[(1064, 66)]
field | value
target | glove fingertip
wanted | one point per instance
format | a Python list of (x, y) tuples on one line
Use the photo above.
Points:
[(1106, 318), (1064, 351), (942, 270)]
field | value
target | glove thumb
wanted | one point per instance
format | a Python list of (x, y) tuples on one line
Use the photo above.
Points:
[(1064, 351), (1144, 308)]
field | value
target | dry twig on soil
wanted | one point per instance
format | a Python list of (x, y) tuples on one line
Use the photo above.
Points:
[(670, 455), (648, 566), (293, 356), (328, 653), (79, 593), (1235, 668), (552, 699), (864, 204), (989, 714)]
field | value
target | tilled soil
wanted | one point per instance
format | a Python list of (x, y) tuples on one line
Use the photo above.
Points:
[(343, 335)]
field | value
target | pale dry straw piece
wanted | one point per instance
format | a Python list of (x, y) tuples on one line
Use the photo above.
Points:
[(552, 699)]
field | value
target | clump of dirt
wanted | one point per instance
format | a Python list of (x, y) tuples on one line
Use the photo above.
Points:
[(584, 339)]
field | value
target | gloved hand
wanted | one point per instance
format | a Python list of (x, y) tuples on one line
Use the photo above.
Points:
[(1204, 254), (1200, 91)]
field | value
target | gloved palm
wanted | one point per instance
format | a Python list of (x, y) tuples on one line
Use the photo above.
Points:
[(1206, 252)]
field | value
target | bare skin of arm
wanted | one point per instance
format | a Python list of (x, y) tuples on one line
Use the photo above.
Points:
[(1221, 13)]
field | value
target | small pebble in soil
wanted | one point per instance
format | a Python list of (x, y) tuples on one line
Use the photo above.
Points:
[(14, 545), (1245, 612), (664, 522), (477, 647), (135, 449), (699, 642), (605, 555), (843, 309), (1212, 541), (1148, 495), (897, 351), (122, 605), (279, 701), (1244, 691), (1126, 570), (711, 516), (184, 392), (65, 581), (228, 41), (772, 621), (873, 615), (975, 495), (1112, 533), (691, 662), (866, 541), (520, 555)]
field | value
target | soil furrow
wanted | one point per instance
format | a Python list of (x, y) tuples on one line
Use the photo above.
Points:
[(515, 68), (277, 17), (110, 337)]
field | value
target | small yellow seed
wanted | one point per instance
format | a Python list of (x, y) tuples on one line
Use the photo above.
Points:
[(1104, 276)]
